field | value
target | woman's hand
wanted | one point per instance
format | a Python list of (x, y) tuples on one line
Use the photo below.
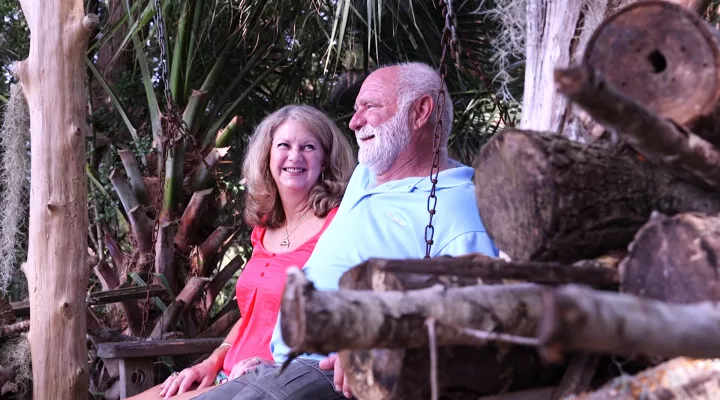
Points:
[(244, 366), (177, 383)]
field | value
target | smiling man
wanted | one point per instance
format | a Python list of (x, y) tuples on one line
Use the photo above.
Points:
[(383, 214)]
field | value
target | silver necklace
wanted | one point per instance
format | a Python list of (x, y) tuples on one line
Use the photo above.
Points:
[(286, 241)]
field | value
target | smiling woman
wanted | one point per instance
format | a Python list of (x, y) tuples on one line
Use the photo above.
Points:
[(297, 167)]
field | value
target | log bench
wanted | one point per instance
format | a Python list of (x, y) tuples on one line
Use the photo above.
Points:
[(136, 358)]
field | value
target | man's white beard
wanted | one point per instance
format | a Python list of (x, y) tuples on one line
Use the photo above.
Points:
[(391, 138)]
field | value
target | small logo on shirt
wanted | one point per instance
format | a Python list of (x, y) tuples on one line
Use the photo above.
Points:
[(394, 218)]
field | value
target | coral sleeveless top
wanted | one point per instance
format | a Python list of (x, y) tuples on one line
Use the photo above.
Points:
[(259, 291)]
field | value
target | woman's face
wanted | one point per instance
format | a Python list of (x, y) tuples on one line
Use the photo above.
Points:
[(296, 157)]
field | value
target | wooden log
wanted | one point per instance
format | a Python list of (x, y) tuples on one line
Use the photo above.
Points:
[(578, 318), (671, 62), (675, 259), (543, 197), (661, 141), (677, 379), (404, 373), (590, 272), (327, 321)]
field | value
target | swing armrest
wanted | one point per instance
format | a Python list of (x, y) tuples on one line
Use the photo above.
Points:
[(157, 348)]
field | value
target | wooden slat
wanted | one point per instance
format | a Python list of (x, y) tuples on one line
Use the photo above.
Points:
[(22, 308), (156, 348)]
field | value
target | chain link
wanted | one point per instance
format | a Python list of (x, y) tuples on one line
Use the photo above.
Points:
[(160, 26), (449, 42)]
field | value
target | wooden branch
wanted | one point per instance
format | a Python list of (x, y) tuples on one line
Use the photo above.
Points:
[(192, 290), (326, 321), (671, 63), (578, 375), (135, 176), (190, 219), (674, 259), (157, 348), (204, 257), (22, 308), (664, 143), (487, 268), (577, 318), (14, 329), (677, 379), (222, 278), (543, 197)]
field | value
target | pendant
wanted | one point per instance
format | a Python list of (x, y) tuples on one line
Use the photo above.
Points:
[(285, 243)]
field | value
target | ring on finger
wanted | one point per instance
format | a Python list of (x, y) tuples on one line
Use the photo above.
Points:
[(175, 373)]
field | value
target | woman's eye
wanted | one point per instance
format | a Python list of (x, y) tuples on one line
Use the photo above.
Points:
[(309, 147), (282, 145)]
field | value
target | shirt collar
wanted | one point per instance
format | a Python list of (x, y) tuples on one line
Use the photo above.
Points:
[(458, 175)]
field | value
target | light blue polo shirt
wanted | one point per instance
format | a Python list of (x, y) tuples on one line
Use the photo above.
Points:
[(388, 221)]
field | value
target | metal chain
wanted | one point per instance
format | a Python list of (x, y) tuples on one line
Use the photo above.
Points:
[(449, 42), (160, 26)]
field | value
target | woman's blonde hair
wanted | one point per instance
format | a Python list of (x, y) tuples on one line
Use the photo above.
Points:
[(262, 202)]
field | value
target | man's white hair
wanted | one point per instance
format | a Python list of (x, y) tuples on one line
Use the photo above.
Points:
[(416, 79)]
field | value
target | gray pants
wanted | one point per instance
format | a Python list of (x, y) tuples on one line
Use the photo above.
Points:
[(302, 379)]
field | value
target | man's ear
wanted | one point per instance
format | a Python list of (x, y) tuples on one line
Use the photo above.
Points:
[(421, 111)]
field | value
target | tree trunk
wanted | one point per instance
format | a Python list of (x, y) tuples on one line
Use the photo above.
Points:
[(674, 259), (671, 62), (547, 198), (53, 80), (556, 35)]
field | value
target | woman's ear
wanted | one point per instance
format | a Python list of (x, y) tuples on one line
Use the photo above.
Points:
[(421, 111)]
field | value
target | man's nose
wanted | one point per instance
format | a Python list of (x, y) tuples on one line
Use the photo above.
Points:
[(357, 121)]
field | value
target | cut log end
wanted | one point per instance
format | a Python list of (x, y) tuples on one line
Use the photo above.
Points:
[(670, 69)]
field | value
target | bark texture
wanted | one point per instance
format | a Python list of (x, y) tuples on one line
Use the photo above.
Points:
[(389, 370), (675, 259), (660, 140), (577, 318), (543, 197), (53, 79)]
